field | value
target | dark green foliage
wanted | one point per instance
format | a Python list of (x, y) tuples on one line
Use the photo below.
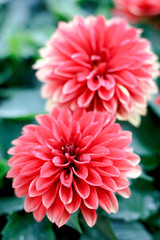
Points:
[(24, 227)]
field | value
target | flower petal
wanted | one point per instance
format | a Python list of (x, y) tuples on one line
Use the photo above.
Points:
[(92, 200), (85, 98), (48, 169), (109, 184), (125, 192), (104, 200), (49, 196), (80, 171), (75, 204), (32, 191), (81, 187), (93, 177), (89, 215), (65, 194), (31, 203), (55, 212), (63, 219), (39, 213), (66, 178)]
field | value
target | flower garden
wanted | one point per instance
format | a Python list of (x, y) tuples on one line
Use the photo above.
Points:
[(79, 120)]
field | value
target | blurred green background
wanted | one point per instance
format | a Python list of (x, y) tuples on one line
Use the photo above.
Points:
[(25, 26)]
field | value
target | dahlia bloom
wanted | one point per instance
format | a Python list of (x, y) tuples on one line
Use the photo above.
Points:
[(98, 65), (135, 10), (157, 101), (71, 161)]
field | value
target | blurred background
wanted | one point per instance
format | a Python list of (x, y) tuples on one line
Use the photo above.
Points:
[(25, 26)]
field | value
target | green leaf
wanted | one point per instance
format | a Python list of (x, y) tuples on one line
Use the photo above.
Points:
[(23, 33), (130, 231), (143, 203), (9, 205), (156, 236), (104, 8), (102, 230), (9, 130), (5, 75), (1, 151), (3, 170), (63, 10), (22, 45), (93, 234), (150, 162), (22, 104), (73, 222), (25, 44), (104, 226), (153, 34), (154, 222), (26, 228)]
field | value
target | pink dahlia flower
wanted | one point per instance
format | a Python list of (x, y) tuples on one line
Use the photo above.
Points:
[(72, 161), (134, 10), (98, 65), (157, 101)]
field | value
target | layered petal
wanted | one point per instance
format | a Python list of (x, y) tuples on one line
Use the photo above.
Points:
[(100, 65), (80, 162)]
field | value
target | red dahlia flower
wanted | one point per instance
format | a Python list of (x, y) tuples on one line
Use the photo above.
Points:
[(72, 161), (134, 10), (98, 65)]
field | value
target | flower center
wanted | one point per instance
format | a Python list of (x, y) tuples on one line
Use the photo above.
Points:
[(99, 67), (69, 148), (95, 60), (70, 153)]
